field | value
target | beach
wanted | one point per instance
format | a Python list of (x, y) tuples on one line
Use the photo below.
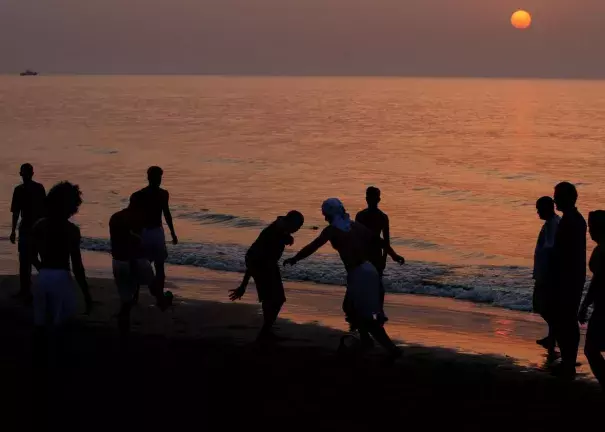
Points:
[(465, 366), (460, 163)]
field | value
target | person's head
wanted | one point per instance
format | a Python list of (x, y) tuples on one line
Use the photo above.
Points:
[(332, 208), (63, 200), (154, 175), (26, 172), (566, 196), (596, 225), (294, 220), (545, 207), (372, 196)]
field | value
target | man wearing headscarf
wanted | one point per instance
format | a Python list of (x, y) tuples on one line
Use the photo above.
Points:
[(353, 241)]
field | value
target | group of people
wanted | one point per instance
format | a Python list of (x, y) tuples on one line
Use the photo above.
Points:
[(560, 275), (363, 246), (50, 242)]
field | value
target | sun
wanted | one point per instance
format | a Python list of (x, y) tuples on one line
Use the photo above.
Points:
[(521, 19)]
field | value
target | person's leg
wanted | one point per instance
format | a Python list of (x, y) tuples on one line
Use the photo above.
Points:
[(549, 342), (273, 297), (25, 265), (160, 278), (380, 335), (594, 345), (596, 361), (157, 287), (567, 333), (125, 278), (271, 309)]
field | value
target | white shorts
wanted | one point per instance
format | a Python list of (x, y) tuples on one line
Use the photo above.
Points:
[(54, 297), (154, 244), (127, 281), (363, 291)]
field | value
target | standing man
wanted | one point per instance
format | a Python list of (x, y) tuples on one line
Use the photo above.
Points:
[(543, 269), (569, 264), (130, 267), (378, 223), (28, 204), (154, 200)]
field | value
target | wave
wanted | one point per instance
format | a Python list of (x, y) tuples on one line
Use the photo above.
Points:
[(204, 217), (507, 287)]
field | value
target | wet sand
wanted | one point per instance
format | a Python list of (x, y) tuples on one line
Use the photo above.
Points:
[(465, 367)]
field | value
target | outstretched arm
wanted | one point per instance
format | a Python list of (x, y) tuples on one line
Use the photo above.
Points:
[(168, 217), (310, 249), (238, 293)]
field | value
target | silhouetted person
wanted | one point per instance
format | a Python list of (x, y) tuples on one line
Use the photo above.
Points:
[(595, 334), (569, 264), (130, 266), (28, 203), (378, 222), (262, 264), (543, 269), (56, 244), (155, 202), (353, 241)]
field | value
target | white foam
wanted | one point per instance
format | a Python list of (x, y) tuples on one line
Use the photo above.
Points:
[(506, 287)]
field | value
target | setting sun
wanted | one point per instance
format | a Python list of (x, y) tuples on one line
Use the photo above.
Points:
[(521, 19)]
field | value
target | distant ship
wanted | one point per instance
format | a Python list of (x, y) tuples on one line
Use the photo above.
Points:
[(29, 73)]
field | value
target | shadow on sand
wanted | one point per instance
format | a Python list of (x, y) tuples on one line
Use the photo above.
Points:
[(221, 381)]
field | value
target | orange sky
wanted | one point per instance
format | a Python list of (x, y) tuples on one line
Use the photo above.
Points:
[(333, 37)]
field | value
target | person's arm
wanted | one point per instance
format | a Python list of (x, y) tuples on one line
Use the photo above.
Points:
[(78, 269), (386, 234), (311, 248), (168, 217), (238, 293), (16, 210), (389, 250), (595, 284)]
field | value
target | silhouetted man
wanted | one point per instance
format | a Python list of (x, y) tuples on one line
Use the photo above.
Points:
[(130, 267), (378, 222), (569, 261), (155, 200), (543, 269), (262, 264), (28, 203)]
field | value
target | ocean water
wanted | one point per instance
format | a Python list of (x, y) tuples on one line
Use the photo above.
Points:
[(460, 163)]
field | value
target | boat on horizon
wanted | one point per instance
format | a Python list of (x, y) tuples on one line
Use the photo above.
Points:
[(29, 72)]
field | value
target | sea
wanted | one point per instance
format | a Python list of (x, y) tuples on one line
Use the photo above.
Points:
[(460, 163)]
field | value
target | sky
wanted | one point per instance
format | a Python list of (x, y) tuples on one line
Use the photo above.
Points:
[(304, 37)]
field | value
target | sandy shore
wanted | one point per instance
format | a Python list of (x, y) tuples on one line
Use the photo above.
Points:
[(465, 367)]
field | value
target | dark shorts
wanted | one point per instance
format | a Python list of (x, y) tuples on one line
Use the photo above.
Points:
[(268, 282), (595, 333)]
